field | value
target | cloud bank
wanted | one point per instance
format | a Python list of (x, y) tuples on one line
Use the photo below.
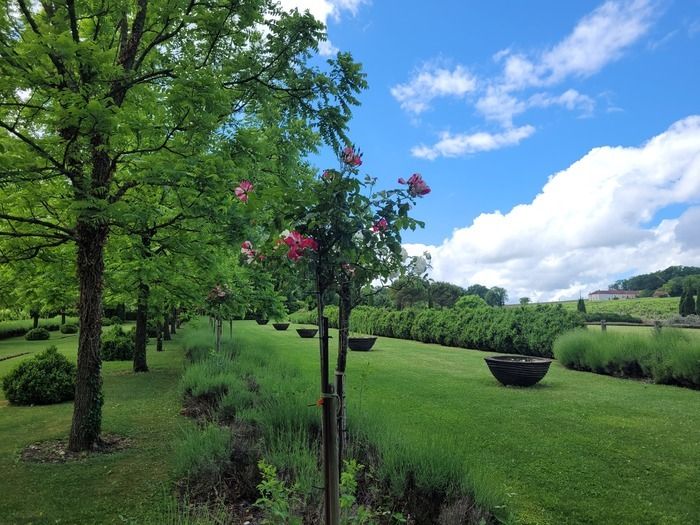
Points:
[(591, 222)]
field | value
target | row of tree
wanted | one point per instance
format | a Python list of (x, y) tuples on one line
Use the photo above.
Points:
[(125, 128)]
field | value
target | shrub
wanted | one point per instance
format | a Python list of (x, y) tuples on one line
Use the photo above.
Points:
[(118, 345), (69, 328), (612, 317), (116, 320), (670, 356), (45, 379), (106, 321), (37, 334), (471, 323)]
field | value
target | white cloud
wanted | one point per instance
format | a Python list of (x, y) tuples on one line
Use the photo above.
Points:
[(322, 10), (430, 82), (599, 38), (570, 99), (463, 143), (589, 224)]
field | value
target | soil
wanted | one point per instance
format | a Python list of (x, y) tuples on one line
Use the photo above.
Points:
[(56, 451)]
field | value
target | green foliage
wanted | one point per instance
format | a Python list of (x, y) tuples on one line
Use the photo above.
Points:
[(277, 501), (496, 296), (478, 289), (669, 356), (443, 294), (45, 379), (470, 324), (470, 302), (37, 334), (581, 305), (69, 328), (669, 279), (19, 328), (118, 345), (686, 305), (202, 456), (612, 317)]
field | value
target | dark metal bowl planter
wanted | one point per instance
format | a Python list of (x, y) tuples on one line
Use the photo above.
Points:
[(518, 370), (361, 344), (262, 321), (280, 326), (307, 333)]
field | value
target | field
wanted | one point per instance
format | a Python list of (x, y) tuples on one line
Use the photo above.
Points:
[(579, 448), (130, 486), (648, 308)]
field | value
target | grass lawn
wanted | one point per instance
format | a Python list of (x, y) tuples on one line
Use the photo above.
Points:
[(125, 487), (579, 448)]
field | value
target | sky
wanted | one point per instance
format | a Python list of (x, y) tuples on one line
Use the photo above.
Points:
[(561, 140)]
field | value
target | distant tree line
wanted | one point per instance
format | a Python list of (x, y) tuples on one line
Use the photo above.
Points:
[(673, 280)]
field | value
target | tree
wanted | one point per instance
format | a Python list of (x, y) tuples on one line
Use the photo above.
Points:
[(581, 305), (496, 296), (408, 291), (478, 289), (445, 295), (83, 112), (524, 301), (687, 304)]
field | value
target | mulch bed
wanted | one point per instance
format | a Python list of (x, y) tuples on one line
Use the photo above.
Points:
[(56, 450)]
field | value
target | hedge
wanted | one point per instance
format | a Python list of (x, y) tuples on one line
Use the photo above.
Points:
[(670, 356), (20, 328), (527, 331)]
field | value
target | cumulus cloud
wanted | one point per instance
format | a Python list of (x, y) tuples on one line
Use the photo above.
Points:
[(460, 144), (590, 223), (598, 39), (430, 82), (322, 10)]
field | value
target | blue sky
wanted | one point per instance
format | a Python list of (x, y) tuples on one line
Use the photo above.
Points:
[(491, 100)]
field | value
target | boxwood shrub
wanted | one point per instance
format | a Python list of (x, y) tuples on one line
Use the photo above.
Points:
[(118, 345), (37, 334), (45, 379), (69, 328)]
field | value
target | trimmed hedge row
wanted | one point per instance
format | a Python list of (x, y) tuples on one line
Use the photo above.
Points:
[(20, 328), (670, 356), (527, 331)]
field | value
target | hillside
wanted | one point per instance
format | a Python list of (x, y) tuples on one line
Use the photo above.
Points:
[(670, 280)]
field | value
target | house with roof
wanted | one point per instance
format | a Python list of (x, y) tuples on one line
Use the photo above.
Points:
[(607, 295)]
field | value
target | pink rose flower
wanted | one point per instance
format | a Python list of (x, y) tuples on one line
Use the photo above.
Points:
[(416, 185), (351, 157), (380, 226), (243, 189), (297, 244)]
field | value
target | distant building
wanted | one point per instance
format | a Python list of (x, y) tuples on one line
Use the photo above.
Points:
[(607, 295)]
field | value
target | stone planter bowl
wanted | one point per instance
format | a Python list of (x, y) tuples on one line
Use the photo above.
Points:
[(262, 321), (280, 326), (361, 344), (307, 333), (518, 370)]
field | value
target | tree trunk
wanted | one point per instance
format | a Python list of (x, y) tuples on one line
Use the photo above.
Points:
[(35, 317), (218, 334), (87, 409), (140, 364), (63, 317), (159, 338), (173, 321), (166, 329), (343, 334)]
